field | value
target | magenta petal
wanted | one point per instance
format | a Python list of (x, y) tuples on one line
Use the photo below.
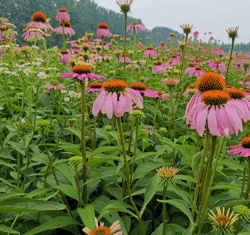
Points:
[(98, 103), (201, 120), (212, 122), (109, 106)]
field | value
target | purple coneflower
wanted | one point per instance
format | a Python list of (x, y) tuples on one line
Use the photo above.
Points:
[(67, 28), (103, 30), (65, 57), (197, 72), (141, 88), (94, 87), (62, 15), (150, 52), (55, 86), (83, 73), (190, 68), (32, 33), (221, 115), (39, 20), (116, 98), (217, 65), (243, 148), (174, 60), (135, 26)]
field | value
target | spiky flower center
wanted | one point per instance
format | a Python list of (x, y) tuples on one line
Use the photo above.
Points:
[(191, 65), (64, 52), (174, 56), (62, 10), (100, 230), (223, 221), (39, 17), (210, 81), (4, 27), (66, 23), (159, 92), (167, 173), (150, 48), (103, 26), (245, 142), (197, 68), (4, 43), (115, 86), (236, 93), (192, 87), (95, 85), (216, 97), (217, 62), (134, 23), (159, 62), (81, 69), (140, 86)]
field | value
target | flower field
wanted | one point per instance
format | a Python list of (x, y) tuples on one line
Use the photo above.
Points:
[(110, 136)]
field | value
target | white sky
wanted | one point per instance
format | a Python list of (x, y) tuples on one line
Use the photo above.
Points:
[(206, 15)]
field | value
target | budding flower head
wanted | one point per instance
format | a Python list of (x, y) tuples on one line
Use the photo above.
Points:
[(232, 33), (186, 28), (108, 128), (222, 223), (72, 122), (76, 160), (162, 130), (168, 174), (243, 212), (124, 5), (245, 65), (138, 114), (42, 124)]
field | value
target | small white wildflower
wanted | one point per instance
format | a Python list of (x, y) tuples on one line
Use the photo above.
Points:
[(66, 99), (63, 91), (42, 75)]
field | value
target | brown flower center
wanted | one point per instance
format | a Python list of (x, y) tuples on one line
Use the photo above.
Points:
[(62, 10), (215, 97), (64, 52), (223, 220), (81, 69), (115, 86), (174, 56), (95, 85), (39, 17), (66, 23), (140, 86), (236, 93), (103, 26), (245, 142)]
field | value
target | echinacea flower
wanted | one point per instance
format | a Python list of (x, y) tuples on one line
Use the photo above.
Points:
[(243, 149), (159, 67), (103, 30), (94, 87), (141, 88), (197, 72), (232, 33), (217, 65), (39, 20), (65, 58), (83, 73), (186, 28), (116, 99), (221, 116), (243, 212), (67, 28), (174, 60), (208, 81), (170, 82), (55, 86), (124, 5), (222, 223), (190, 68), (32, 33), (104, 230), (62, 14), (150, 52), (238, 98), (167, 174), (135, 27)]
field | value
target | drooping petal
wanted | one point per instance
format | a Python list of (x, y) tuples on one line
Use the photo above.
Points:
[(212, 122), (98, 103), (109, 106)]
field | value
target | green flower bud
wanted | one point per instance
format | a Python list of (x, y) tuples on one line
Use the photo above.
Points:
[(243, 212), (108, 128), (138, 114), (76, 160), (42, 124), (162, 130)]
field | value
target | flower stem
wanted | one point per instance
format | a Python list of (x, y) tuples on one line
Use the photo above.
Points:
[(119, 126), (155, 115), (164, 208), (64, 36), (238, 226), (130, 136), (90, 135), (244, 179), (229, 60), (206, 187), (248, 184), (135, 146), (85, 162), (125, 42), (173, 115), (78, 185)]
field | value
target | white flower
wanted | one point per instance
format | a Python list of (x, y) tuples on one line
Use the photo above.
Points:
[(35, 47), (42, 75), (8, 72), (1, 108), (38, 117), (66, 99), (23, 121), (78, 95), (63, 91), (72, 94), (36, 63), (27, 71), (39, 59), (51, 68), (4, 46), (15, 74), (1, 69)]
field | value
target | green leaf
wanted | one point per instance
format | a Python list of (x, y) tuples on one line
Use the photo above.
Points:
[(68, 190), (97, 161), (37, 192), (76, 132), (58, 222), (104, 149), (145, 167), (6, 229), (18, 147), (181, 205), (150, 191), (7, 164), (188, 231), (71, 148), (5, 196), (65, 169), (196, 163), (29, 204), (87, 216), (225, 185), (45, 99)]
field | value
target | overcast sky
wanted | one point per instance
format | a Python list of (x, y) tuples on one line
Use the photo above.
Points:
[(206, 15)]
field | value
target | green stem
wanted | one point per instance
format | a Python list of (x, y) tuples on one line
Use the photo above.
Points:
[(95, 132), (164, 208), (135, 146), (237, 230), (119, 126), (206, 188), (64, 36), (130, 136), (85, 162), (155, 115), (125, 42), (13, 223), (229, 60), (244, 179), (200, 173), (248, 184), (174, 127), (78, 184), (90, 135)]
